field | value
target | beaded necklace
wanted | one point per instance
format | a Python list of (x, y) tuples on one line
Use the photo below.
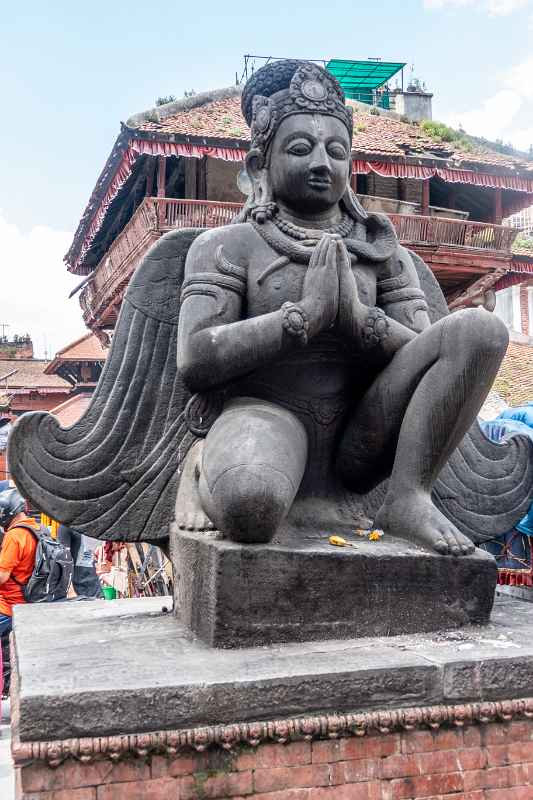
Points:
[(342, 228)]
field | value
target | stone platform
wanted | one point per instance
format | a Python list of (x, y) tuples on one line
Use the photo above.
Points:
[(114, 701), (301, 588), (101, 668)]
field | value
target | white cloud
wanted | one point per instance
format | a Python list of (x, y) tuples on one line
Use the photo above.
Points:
[(494, 8), (35, 287), (503, 8), (520, 78), (522, 138), (492, 117), (506, 114)]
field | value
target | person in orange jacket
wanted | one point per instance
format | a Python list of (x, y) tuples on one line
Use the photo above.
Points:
[(17, 554)]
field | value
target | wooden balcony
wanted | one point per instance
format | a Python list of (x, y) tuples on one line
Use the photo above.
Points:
[(101, 298), (474, 247), (452, 232)]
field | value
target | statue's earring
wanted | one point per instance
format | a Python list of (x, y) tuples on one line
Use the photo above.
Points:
[(262, 205)]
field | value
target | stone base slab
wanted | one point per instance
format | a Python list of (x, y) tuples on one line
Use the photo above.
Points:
[(301, 588), (123, 668)]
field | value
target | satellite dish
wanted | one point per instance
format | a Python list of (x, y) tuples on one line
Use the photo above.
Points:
[(244, 184)]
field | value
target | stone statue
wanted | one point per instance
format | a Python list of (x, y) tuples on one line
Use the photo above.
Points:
[(320, 379)]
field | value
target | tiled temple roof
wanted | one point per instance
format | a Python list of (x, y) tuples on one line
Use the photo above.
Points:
[(87, 348), (72, 409), (31, 374), (514, 381), (212, 123), (374, 134)]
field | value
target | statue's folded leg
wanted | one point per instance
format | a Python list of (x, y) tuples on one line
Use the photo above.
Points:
[(414, 416), (253, 461)]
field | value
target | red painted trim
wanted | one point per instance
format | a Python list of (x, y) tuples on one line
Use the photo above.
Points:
[(393, 170), (509, 577), (153, 147), (137, 147)]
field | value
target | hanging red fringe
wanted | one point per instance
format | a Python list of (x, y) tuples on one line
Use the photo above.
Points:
[(509, 577), (392, 170)]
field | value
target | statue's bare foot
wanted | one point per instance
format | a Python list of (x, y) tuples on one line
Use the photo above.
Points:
[(413, 516), (194, 521), (190, 515)]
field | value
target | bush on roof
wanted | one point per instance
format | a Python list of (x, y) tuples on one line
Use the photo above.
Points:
[(162, 101), (440, 132)]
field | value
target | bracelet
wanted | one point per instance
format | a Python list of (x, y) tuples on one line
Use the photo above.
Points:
[(295, 322), (376, 327)]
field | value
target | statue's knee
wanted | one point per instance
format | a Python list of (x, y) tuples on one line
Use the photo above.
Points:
[(248, 503), (479, 332)]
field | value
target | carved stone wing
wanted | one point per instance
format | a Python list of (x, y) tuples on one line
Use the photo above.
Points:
[(485, 487), (114, 473)]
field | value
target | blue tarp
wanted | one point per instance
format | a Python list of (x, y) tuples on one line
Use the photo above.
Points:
[(520, 414), (4, 434), (500, 430), (512, 549)]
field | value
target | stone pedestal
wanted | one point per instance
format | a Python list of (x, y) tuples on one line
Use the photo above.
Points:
[(114, 701), (301, 588)]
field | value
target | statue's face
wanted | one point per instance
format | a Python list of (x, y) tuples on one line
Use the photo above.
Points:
[(310, 162)]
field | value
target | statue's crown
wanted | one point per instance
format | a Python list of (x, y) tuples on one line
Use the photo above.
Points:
[(287, 87)]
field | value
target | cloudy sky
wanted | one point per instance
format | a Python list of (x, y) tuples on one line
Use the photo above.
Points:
[(70, 71)]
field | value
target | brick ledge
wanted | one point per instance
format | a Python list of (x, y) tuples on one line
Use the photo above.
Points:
[(330, 726)]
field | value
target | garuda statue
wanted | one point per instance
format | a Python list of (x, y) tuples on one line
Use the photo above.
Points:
[(298, 367)]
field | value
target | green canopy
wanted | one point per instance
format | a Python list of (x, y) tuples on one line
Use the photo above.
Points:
[(360, 78)]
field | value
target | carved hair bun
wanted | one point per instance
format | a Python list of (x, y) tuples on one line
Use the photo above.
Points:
[(274, 77)]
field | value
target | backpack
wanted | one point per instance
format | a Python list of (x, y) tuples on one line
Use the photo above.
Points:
[(52, 573)]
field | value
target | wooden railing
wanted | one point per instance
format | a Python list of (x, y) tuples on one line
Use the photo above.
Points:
[(153, 217), (156, 215), (194, 213), (455, 233)]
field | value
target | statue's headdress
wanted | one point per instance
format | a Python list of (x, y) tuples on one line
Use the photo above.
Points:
[(287, 87), (277, 91)]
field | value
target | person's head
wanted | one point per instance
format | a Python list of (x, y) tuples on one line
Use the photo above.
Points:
[(301, 136), (11, 504)]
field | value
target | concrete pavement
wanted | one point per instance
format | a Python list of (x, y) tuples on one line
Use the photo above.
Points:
[(7, 775)]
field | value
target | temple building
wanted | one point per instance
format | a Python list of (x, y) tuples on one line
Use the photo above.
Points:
[(16, 348), (180, 164), (62, 386), (26, 385), (79, 363)]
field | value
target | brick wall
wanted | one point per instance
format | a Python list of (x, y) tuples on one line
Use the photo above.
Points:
[(17, 350), (480, 762), (4, 473), (36, 402)]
